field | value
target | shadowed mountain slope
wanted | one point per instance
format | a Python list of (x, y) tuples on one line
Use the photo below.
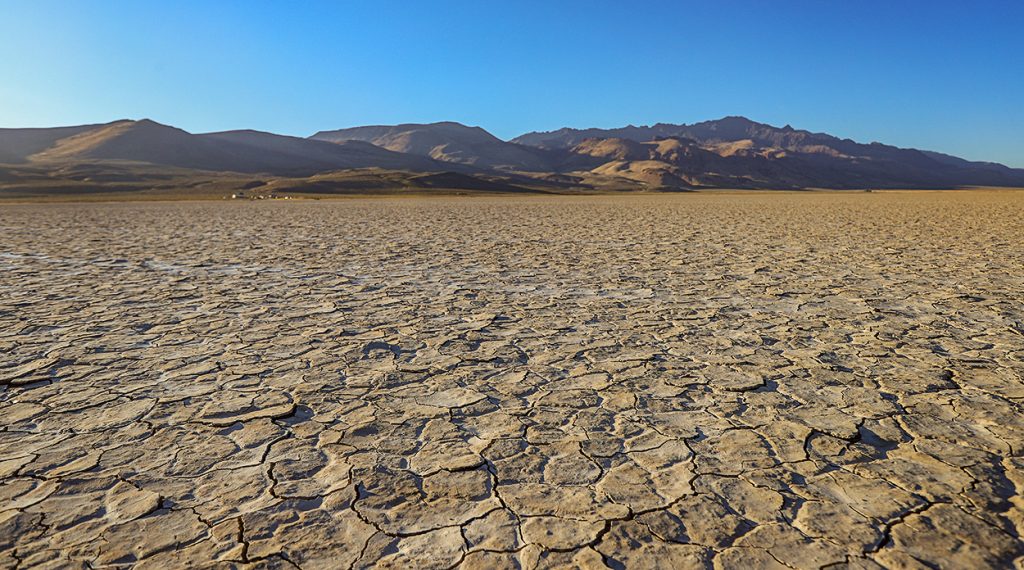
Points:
[(236, 151), (762, 156), (285, 152), (16, 145), (448, 142), (733, 152)]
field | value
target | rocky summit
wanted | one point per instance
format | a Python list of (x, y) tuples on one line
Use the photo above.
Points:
[(132, 158)]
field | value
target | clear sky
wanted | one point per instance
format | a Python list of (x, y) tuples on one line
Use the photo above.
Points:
[(940, 74)]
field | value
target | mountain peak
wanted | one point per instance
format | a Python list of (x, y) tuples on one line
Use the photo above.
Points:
[(733, 151), (448, 124), (139, 123), (446, 141), (736, 119)]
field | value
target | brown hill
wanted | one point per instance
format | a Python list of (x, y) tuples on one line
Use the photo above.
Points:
[(732, 152), (284, 153), (16, 145), (680, 163), (447, 142), (235, 151), (764, 156)]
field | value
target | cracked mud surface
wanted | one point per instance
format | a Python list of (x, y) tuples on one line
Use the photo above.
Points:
[(729, 381)]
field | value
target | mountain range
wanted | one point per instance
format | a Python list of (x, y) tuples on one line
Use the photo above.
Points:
[(733, 152)]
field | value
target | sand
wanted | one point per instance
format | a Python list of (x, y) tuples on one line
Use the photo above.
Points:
[(798, 380)]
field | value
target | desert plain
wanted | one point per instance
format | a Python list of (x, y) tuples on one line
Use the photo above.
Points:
[(726, 380)]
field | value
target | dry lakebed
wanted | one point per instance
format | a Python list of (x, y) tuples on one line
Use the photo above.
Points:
[(721, 380)]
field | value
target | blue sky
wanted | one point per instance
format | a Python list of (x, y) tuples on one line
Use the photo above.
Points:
[(940, 75)]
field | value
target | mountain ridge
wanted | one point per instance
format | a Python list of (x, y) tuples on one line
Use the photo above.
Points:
[(447, 141), (245, 151), (815, 155), (732, 152)]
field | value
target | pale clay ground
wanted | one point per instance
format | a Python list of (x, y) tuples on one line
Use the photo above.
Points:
[(735, 381)]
